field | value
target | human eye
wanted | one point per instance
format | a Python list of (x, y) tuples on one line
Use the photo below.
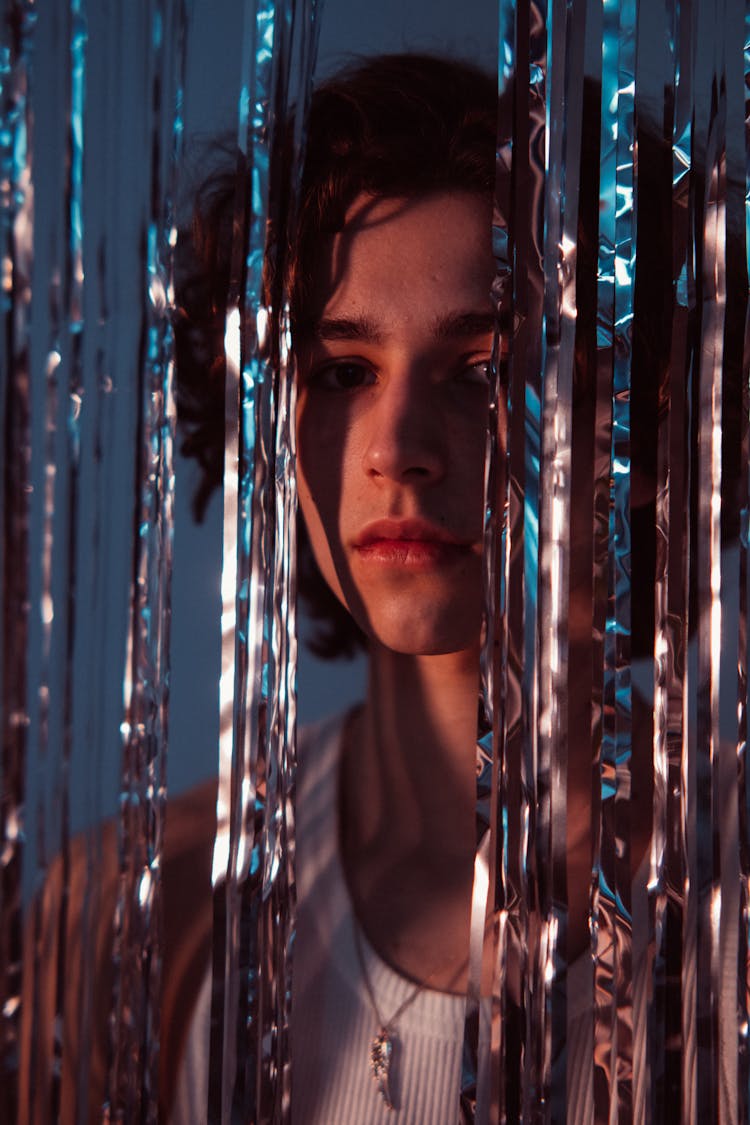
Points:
[(476, 371), (342, 375)]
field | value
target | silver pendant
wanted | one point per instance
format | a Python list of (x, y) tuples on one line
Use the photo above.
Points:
[(381, 1050)]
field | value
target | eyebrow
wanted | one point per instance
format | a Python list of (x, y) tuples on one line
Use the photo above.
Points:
[(348, 328), (456, 325), (452, 326)]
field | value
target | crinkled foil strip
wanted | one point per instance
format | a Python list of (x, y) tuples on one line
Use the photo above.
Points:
[(494, 663), (58, 412), (717, 372), (16, 219), (612, 901), (667, 888), (556, 694), (253, 857), (133, 1080), (743, 961)]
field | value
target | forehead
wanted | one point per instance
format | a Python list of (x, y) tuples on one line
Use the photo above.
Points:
[(397, 257)]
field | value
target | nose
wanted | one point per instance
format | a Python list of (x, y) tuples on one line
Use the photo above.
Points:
[(406, 440)]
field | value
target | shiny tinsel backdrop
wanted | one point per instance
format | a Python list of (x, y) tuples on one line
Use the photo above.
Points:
[(88, 424), (623, 580), (617, 579)]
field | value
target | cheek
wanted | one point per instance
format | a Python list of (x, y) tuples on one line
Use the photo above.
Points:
[(468, 447), (320, 463), (329, 433), (322, 537), (321, 451)]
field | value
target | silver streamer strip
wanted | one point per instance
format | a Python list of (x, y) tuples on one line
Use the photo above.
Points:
[(52, 727), (16, 219), (540, 857), (743, 961), (494, 651), (612, 896), (523, 48), (713, 387), (53, 566), (663, 1037), (564, 99), (244, 647), (488, 945), (253, 857), (519, 217), (528, 410), (492, 1089), (133, 1082), (705, 580), (279, 894)]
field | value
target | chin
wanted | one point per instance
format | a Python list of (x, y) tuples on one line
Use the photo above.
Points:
[(416, 621), (423, 637)]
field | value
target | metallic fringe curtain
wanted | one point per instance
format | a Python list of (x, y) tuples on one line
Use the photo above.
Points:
[(623, 258), (616, 565), (87, 431)]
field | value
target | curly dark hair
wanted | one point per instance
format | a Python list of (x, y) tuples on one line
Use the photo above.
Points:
[(391, 126)]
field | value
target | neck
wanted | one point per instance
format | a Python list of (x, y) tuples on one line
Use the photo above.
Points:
[(408, 811), (419, 727)]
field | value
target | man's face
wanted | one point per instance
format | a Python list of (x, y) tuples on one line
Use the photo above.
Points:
[(392, 417)]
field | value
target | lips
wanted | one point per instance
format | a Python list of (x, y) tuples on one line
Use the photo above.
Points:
[(412, 543)]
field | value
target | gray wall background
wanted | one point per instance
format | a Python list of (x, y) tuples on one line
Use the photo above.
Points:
[(348, 27)]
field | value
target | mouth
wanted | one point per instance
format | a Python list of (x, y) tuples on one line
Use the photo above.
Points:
[(413, 543)]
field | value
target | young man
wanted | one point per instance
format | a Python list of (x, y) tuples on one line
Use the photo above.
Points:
[(393, 328), (394, 340)]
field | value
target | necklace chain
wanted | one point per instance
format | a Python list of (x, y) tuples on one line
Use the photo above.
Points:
[(385, 1025)]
